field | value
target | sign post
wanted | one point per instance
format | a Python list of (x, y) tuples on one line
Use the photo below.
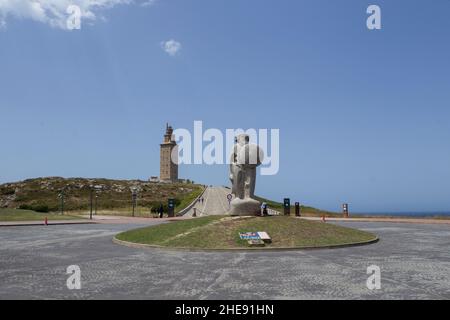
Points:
[(287, 206), (229, 197), (171, 208), (345, 210)]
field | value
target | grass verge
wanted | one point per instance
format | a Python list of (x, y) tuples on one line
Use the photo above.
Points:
[(306, 211), (217, 232), (7, 215), (158, 235)]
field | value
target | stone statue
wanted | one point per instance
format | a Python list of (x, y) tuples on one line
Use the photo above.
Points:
[(244, 160)]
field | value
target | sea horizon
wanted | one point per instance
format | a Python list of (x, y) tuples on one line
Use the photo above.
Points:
[(405, 213)]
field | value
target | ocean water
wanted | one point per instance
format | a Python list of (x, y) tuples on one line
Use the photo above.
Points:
[(407, 214)]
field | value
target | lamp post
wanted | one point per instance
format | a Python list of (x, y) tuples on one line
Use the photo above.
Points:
[(134, 193), (61, 198), (96, 199), (97, 192), (91, 195)]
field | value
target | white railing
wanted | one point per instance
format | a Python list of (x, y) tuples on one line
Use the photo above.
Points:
[(189, 207), (272, 212)]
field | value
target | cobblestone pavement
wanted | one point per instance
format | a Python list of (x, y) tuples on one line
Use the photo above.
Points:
[(414, 261)]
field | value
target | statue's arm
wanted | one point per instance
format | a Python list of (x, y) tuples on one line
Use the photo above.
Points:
[(232, 166)]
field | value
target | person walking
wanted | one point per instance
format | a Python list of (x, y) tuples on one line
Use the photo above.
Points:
[(161, 211), (264, 209)]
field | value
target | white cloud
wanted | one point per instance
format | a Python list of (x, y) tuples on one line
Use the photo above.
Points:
[(148, 3), (172, 47), (54, 12)]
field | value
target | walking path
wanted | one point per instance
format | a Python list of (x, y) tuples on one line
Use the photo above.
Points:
[(98, 219), (215, 203)]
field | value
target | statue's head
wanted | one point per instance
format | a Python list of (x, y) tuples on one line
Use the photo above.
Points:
[(242, 139), (248, 154)]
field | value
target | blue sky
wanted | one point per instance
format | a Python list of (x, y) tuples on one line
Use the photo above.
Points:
[(363, 115)]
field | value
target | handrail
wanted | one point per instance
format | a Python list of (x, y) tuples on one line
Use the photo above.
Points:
[(189, 207)]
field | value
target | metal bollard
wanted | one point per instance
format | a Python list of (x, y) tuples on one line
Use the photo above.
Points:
[(297, 209)]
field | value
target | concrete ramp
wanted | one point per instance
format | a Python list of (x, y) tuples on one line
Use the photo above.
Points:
[(215, 202)]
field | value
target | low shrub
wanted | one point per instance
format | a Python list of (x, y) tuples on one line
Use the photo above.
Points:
[(38, 207), (7, 191), (41, 208)]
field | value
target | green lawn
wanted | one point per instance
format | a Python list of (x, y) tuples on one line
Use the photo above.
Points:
[(28, 215), (217, 232), (158, 235)]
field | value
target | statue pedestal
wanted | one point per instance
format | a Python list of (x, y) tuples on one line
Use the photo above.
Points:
[(245, 207)]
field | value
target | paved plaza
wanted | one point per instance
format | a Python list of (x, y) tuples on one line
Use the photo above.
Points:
[(414, 261)]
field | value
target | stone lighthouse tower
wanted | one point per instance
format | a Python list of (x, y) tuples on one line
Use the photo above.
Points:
[(169, 163)]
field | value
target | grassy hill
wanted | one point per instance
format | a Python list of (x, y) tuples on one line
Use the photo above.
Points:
[(41, 194), (113, 197)]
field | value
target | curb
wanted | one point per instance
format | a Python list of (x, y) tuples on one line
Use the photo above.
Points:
[(29, 224), (281, 249)]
